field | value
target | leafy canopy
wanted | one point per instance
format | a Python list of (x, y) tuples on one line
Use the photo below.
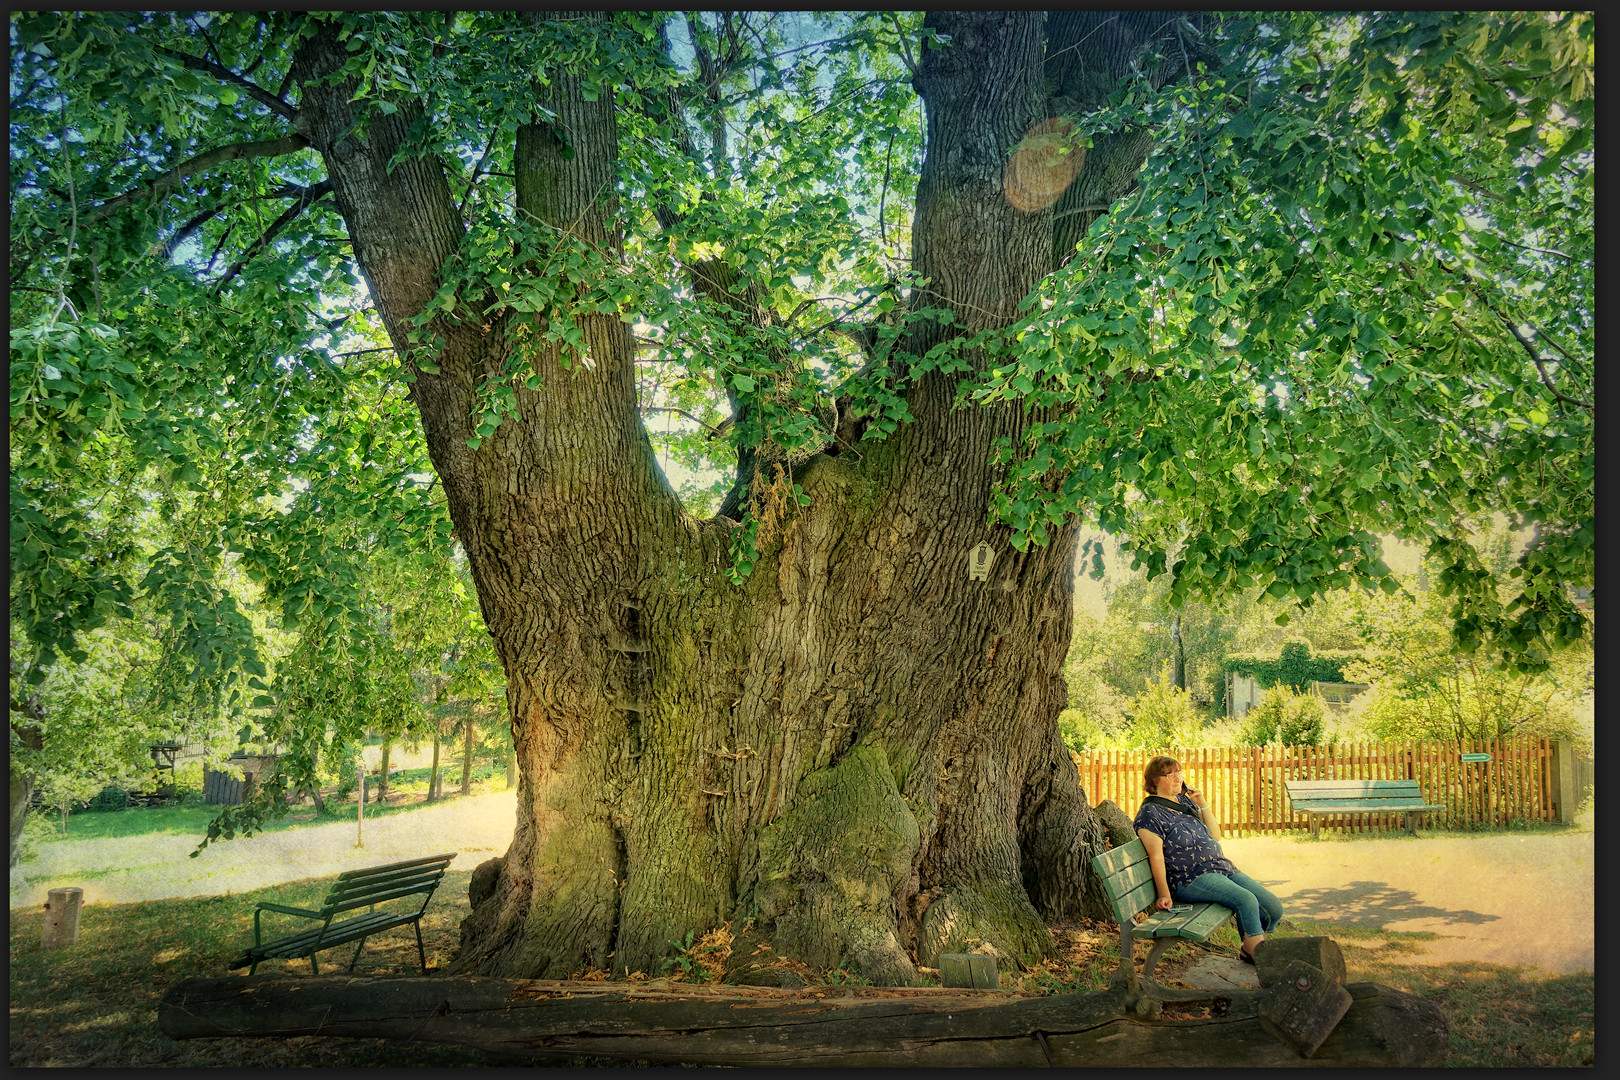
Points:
[(1351, 292)]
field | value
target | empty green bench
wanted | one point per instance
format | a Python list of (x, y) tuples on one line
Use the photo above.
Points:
[(1127, 879), (393, 888), (1316, 798)]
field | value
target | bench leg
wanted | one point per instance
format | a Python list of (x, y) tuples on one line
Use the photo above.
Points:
[(1159, 946), (1316, 824), (421, 953), (314, 968), (356, 959), (1127, 958)]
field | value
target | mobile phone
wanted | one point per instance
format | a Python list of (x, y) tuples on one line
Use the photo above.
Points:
[(1184, 785)]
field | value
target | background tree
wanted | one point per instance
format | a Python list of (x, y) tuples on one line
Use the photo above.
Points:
[(1426, 688), (1241, 290)]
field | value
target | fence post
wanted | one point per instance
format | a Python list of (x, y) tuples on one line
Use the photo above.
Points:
[(1565, 797)]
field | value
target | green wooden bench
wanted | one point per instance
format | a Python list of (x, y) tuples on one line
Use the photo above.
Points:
[(392, 888), (1127, 879), (1316, 798)]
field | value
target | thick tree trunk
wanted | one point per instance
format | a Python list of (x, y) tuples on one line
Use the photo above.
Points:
[(856, 750), (382, 774), (679, 1023)]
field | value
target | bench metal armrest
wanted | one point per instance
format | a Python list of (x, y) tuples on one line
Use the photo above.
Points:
[(291, 910), (281, 909)]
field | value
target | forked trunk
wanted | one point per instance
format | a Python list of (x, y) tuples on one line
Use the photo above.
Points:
[(854, 754)]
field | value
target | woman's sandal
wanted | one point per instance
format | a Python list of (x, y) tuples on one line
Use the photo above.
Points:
[(1244, 955)]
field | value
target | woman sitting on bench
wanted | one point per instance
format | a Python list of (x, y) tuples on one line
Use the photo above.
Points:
[(1182, 837)]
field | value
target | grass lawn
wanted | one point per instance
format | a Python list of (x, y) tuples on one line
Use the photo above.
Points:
[(95, 1003), (407, 791)]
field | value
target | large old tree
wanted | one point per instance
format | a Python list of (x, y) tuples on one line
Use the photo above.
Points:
[(1242, 291)]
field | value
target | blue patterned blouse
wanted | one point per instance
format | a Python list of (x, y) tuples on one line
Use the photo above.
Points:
[(1189, 850)]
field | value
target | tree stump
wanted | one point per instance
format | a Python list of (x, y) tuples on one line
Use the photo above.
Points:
[(975, 971), (61, 918), (1304, 1007), (1116, 822), (1274, 955)]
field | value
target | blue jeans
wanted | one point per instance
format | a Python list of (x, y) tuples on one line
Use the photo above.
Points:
[(1257, 910)]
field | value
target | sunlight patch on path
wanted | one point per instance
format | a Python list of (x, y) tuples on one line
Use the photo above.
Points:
[(1500, 899)]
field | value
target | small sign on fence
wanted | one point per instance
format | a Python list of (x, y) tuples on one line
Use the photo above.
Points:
[(1475, 759)]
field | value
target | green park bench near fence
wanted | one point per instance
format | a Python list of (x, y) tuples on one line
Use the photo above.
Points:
[(1320, 798)]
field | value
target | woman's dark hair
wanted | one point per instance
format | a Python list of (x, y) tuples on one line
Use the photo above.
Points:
[(1156, 768)]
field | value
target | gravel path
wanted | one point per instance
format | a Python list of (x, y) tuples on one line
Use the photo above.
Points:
[(1501, 899), (128, 869)]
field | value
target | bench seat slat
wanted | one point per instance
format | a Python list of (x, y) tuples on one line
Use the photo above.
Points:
[(337, 933), (1196, 923), (1364, 803), (298, 945)]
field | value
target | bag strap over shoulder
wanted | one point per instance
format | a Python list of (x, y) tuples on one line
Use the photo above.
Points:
[(1160, 800)]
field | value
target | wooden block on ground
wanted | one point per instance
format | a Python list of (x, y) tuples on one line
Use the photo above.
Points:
[(1272, 957), (1304, 1007), (975, 970)]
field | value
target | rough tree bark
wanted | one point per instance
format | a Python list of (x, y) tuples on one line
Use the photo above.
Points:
[(857, 750)]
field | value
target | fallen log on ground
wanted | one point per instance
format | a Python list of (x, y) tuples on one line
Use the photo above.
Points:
[(848, 1026)]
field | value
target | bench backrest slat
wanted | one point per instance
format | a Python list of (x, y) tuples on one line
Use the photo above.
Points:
[(1346, 789), (376, 884), (367, 872), (1127, 879), (347, 889)]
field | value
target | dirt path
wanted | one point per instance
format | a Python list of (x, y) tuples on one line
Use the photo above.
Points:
[(128, 869), (1502, 899)]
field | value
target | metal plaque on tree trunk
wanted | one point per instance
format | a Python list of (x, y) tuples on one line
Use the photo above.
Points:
[(980, 559)]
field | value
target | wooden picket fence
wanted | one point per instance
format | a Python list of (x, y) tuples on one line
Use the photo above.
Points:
[(1245, 783)]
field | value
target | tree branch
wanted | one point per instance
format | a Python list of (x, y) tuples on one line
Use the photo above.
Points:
[(312, 194), (154, 188), (681, 412), (257, 93)]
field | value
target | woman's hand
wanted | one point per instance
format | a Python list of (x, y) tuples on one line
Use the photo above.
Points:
[(1163, 903), (1197, 797)]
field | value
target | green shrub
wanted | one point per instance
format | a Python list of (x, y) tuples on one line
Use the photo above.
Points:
[(1163, 715), (1284, 718)]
